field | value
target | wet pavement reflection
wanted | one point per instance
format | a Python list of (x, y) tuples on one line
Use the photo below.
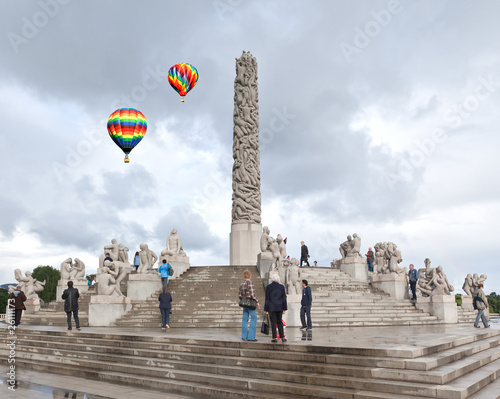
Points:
[(45, 391)]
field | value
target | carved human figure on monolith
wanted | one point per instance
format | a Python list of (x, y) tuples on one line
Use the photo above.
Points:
[(147, 259)]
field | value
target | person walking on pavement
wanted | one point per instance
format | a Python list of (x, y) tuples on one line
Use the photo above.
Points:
[(413, 277), (276, 306), (16, 303), (482, 305), (165, 307), (304, 254), (247, 290), (305, 307), (70, 296), (164, 272)]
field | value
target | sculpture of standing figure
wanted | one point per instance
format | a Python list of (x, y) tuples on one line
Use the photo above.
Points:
[(294, 277), (147, 259), (275, 250), (122, 253), (356, 244), (282, 246), (113, 250), (467, 287)]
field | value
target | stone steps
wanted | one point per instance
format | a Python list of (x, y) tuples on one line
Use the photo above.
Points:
[(457, 368)]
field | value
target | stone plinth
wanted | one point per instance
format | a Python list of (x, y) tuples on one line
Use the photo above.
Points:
[(104, 310), (394, 284), (244, 243), (80, 284), (141, 286), (32, 305), (264, 263), (292, 315), (179, 263), (467, 303), (443, 307), (355, 266)]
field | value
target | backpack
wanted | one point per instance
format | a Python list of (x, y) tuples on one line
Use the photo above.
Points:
[(474, 302), (170, 271)]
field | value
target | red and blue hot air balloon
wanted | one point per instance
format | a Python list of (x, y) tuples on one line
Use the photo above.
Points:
[(127, 127), (182, 77)]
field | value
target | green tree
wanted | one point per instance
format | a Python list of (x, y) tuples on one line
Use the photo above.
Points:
[(4, 296), (51, 276), (458, 299), (494, 302)]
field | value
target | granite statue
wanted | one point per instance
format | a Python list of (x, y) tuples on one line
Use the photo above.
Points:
[(118, 270), (106, 283), (246, 207), (66, 267), (264, 243), (294, 278), (467, 287), (433, 281), (78, 270), (29, 285), (147, 259)]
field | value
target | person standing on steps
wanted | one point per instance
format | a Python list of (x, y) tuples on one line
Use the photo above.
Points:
[(16, 302), (165, 307), (482, 305), (70, 296), (304, 254), (247, 290), (413, 277), (305, 307), (370, 257), (164, 272), (276, 306)]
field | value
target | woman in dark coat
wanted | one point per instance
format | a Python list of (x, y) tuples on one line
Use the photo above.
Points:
[(276, 305)]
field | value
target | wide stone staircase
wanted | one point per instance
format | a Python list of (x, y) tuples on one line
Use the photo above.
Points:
[(52, 313), (340, 300), (205, 296), (459, 367)]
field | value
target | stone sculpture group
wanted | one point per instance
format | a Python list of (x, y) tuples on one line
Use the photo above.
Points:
[(472, 281), (29, 285)]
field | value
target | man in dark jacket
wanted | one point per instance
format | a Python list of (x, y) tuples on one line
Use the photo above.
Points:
[(165, 306), (276, 306), (305, 307), (304, 254), (70, 296), (16, 303)]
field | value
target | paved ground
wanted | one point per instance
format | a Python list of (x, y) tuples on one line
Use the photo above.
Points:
[(408, 339)]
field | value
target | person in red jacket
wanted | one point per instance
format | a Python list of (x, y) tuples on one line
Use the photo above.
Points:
[(16, 302)]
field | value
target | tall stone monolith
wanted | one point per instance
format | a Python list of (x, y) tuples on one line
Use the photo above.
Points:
[(246, 227)]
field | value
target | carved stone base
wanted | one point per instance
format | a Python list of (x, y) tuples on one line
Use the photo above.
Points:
[(467, 303), (394, 284), (32, 305), (141, 286), (356, 267), (104, 310), (244, 243), (80, 284), (292, 315), (264, 263), (442, 306), (179, 263)]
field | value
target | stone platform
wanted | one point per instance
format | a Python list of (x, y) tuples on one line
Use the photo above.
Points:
[(439, 361)]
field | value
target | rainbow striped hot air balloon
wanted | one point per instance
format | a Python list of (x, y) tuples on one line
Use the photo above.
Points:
[(182, 77), (127, 127)]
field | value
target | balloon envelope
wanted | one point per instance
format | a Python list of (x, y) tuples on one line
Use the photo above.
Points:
[(127, 127), (182, 77)]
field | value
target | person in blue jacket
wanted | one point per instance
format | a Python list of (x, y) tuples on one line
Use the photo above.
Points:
[(276, 306), (164, 273), (305, 307), (165, 306)]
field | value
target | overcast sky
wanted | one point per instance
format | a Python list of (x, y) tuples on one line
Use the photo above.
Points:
[(377, 117)]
